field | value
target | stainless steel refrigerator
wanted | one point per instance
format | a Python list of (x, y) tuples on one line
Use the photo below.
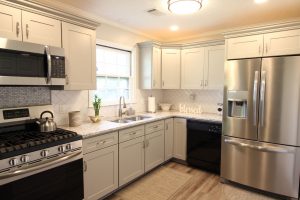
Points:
[(261, 124)]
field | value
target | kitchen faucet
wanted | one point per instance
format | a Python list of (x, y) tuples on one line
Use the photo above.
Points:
[(120, 107)]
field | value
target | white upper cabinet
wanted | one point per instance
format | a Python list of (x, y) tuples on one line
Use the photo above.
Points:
[(202, 68), (214, 67), (80, 49), (170, 68), (264, 45), (150, 67), (245, 47), (40, 29), (192, 64), (10, 23), (282, 43)]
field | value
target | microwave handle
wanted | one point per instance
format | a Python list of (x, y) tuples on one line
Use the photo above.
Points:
[(49, 64)]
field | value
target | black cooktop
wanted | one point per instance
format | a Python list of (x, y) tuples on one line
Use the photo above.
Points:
[(16, 140)]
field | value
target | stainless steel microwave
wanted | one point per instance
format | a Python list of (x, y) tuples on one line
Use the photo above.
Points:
[(24, 63)]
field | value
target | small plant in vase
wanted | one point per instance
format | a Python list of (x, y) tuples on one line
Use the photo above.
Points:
[(97, 106)]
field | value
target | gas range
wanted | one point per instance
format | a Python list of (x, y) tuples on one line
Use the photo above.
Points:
[(24, 149)]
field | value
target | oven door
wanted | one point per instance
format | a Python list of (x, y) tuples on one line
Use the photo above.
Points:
[(58, 179)]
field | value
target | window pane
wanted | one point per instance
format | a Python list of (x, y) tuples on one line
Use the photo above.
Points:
[(112, 83), (124, 83), (113, 74), (101, 82)]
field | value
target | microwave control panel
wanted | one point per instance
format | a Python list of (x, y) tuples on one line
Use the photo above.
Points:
[(58, 67)]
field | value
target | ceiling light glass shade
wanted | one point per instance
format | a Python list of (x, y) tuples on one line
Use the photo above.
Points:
[(184, 6)]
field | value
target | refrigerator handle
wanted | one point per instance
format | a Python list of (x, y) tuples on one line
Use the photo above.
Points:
[(255, 98), (262, 98), (259, 148)]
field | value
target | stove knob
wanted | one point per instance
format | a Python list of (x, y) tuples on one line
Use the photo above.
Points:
[(61, 149), (13, 162), (69, 147), (44, 153), (24, 159)]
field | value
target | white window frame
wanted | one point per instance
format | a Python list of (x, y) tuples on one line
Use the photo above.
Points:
[(132, 78)]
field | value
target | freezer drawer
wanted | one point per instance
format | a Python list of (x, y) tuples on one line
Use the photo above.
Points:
[(273, 168)]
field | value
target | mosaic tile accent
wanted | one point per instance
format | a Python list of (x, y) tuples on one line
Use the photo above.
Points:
[(11, 97)]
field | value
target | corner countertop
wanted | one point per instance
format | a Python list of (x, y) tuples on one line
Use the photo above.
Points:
[(88, 129)]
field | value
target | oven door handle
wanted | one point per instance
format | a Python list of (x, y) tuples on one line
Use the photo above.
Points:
[(39, 166)]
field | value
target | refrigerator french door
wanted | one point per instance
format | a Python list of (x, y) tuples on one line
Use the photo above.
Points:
[(261, 124)]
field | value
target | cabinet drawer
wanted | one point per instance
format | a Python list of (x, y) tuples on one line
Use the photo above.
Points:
[(131, 133), (100, 142), (155, 126)]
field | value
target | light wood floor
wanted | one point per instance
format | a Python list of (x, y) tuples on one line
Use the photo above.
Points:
[(179, 182)]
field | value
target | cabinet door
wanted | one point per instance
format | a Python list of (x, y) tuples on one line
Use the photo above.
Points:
[(131, 160), (245, 47), (170, 69), (154, 150), (180, 135), (192, 63), (40, 29), (80, 49), (10, 23), (214, 67), (282, 43), (101, 172), (156, 68), (169, 137)]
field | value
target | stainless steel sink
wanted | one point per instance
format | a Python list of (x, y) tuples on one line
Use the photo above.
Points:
[(131, 119)]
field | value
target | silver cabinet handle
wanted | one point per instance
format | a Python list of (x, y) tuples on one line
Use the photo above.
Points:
[(262, 98), (49, 64), (38, 166), (255, 84), (163, 83), (266, 48), (18, 29), (259, 49), (27, 31), (84, 166), (167, 127), (260, 148), (134, 133), (201, 84), (67, 79)]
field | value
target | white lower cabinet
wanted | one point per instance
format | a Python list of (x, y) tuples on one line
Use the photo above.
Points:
[(154, 149), (131, 160), (100, 172), (180, 138), (169, 137)]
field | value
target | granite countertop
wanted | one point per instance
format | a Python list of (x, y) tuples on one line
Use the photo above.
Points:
[(88, 129)]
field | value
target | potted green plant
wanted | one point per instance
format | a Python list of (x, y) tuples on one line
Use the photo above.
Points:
[(97, 106)]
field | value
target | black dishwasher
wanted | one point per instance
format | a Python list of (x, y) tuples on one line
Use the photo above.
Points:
[(204, 145)]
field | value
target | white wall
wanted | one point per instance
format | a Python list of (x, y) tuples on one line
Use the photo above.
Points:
[(66, 101)]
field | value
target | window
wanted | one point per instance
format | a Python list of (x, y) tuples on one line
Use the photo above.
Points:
[(114, 75)]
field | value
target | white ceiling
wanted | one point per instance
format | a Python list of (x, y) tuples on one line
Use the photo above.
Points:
[(215, 15)]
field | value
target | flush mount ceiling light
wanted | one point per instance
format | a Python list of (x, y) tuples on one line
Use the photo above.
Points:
[(183, 7), (260, 1)]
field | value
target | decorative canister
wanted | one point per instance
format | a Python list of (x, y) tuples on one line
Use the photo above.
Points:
[(74, 118)]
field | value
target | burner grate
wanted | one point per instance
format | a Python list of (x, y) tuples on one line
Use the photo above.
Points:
[(19, 140)]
